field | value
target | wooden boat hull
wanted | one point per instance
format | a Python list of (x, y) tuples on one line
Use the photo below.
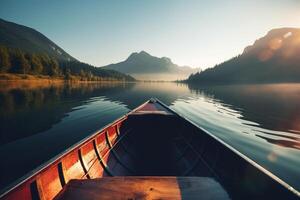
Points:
[(152, 140)]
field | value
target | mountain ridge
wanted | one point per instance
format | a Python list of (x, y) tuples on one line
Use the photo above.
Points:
[(143, 63), (271, 58), (15, 35), (24, 50)]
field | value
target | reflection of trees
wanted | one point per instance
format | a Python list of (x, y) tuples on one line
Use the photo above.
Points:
[(273, 106), (24, 112), (30, 108)]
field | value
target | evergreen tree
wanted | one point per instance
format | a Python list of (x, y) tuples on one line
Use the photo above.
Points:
[(67, 73), (82, 75), (36, 64), (4, 59), (46, 62), (89, 75), (22, 64), (54, 68), (17, 61)]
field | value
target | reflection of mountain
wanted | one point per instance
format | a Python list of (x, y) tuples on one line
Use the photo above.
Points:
[(24, 112), (141, 92), (272, 58), (255, 102), (36, 108)]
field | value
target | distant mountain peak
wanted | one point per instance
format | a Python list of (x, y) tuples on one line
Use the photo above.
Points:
[(144, 53), (144, 63), (138, 54)]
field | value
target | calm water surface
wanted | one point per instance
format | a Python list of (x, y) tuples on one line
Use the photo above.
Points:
[(39, 121)]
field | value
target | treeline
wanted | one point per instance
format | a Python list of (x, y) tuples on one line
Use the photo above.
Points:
[(20, 62), (249, 69), (226, 72)]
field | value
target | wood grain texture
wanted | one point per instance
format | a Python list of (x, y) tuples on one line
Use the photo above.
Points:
[(72, 167), (91, 161), (48, 183), (133, 188)]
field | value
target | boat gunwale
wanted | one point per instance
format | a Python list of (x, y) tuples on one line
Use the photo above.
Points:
[(31, 174)]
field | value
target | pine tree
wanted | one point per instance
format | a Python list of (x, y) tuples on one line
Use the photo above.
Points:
[(54, 68), (36, 64), (5, 63), (46, 62), (89, 75), (67, 73), (22, 64), (82, 75)]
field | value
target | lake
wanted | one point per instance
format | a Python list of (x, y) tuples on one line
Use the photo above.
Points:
[(38, 121)]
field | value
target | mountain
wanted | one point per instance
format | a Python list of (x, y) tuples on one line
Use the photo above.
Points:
[(29, 40), (142, 65), (272, 58), (24, 50)]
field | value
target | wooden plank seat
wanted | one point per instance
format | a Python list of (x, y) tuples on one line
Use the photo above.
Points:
[(139, 187)]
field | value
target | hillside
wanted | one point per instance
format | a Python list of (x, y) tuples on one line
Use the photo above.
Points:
[(142, 65), (24, 50), (272, 58), (29, 40)]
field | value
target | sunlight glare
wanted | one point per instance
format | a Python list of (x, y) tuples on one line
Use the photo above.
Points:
[(287, 35), (275, 44)]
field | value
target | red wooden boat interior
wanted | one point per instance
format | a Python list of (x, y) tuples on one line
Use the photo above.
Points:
[(151, 153)]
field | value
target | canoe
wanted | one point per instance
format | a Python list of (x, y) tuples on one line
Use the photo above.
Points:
[(151, 153)]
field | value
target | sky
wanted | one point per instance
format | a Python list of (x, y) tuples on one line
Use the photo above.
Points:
[(196, 33)]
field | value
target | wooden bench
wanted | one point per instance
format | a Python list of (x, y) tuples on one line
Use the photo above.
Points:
[(132, 188)]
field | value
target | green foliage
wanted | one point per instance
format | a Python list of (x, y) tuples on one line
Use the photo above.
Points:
[(17, 61), (4, 59), (54, 68), (36, 64), (67, 74), (22, 63), (27, 39)]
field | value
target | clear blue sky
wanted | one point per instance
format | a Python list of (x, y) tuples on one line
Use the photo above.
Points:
[(196, 33)]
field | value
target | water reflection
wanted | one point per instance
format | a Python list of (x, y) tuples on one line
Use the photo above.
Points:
[(273, 106), (38, 121), (31, 109)]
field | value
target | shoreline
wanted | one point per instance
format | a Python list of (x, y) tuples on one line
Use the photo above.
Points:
[(6, 77)]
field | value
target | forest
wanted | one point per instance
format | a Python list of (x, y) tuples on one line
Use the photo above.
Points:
[(16, 61)]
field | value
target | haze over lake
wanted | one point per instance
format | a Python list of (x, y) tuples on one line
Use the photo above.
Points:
[(38, 121)]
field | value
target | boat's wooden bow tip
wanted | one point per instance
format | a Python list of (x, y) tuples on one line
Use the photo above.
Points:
[(153, 106)]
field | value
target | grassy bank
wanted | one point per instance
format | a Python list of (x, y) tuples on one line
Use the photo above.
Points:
[(19, 77), (46, 78), (28, 82)]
